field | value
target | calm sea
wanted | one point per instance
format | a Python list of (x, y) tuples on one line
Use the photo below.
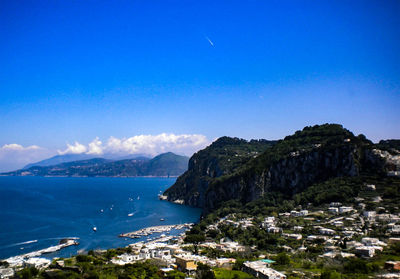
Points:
[(36, 212)]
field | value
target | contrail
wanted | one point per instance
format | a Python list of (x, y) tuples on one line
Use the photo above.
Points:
[(211, 43)]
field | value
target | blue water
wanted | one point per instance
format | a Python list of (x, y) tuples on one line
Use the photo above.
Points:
[(47, 209)]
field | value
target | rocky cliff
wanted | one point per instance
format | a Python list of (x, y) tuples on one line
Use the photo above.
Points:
[(310, 156), (222, 157)]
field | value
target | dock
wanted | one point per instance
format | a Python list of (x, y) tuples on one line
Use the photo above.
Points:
[(155, 229)]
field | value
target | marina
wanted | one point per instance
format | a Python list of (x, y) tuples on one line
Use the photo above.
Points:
[(14, 261), (85, 213), (156, 229)]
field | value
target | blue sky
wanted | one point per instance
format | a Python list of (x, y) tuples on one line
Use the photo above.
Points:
[(72, 71)]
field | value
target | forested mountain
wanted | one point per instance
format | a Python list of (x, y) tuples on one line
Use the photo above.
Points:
[(288, 167), (221, 158), (167, 164)]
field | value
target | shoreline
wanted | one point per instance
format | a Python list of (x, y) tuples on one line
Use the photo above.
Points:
[(155, 229), (85, 176), (18, 260)]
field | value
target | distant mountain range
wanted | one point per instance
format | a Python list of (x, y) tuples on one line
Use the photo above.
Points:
[(59, 159), (166, 164)]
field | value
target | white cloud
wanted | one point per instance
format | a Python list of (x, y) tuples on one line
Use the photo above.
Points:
[(15, 146), (142, 144), (155, 144), (77, 148), (95, 147), (14, 156)]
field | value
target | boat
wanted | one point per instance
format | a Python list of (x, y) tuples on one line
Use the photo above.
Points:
[(130, 214), (138, 198), (94, 229), (162, 219)]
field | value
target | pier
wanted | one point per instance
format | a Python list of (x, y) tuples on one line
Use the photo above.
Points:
[(155, 229)]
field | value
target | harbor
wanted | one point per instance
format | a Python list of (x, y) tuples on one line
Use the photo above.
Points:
[(156, 229), (66, 242)]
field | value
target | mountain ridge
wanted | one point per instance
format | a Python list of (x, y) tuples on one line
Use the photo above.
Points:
[(166, 164), (59, 159), (312, 155)]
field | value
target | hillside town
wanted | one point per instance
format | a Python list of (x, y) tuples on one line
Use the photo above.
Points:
[(335, 230)]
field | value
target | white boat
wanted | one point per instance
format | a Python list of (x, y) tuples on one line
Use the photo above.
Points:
[(130, 214), (94, 229)]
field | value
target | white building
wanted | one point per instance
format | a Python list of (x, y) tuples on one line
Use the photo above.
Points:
[(333, 210), (365, 251), (300, 213), (338, 224), (298, 228), (326, 231), (6, 273), (369, 214), (274, 230), (335, 204), (345, 209), (370, 241), (370, 187), (293, 236), (268, 222), (259, 269), (39, 263)]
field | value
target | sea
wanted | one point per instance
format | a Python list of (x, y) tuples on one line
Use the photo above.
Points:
[(37, 212)]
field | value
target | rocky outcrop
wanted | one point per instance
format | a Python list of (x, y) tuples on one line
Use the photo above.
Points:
[(289, 175), (310, 156), (221, 158)]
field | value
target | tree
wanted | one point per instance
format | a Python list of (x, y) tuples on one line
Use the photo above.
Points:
[(282, 259), (195, 239), (204, 272), (174, 274), (356, 265), (330, 274)]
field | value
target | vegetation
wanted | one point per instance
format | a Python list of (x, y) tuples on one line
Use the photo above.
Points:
[(222, 157), (231, 274), (230, 168), (232, 161), (86, 266), (204, 272), (392, 146), (167, 164)]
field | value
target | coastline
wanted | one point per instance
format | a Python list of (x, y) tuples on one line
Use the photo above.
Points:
[(82, 176), (19, 260), (155, 229), (94, 204)]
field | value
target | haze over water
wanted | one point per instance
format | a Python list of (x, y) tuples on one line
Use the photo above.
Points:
[(47, 209)]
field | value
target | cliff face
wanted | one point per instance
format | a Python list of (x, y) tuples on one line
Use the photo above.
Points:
[(289, 175), (221, 172), (221, 158)]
